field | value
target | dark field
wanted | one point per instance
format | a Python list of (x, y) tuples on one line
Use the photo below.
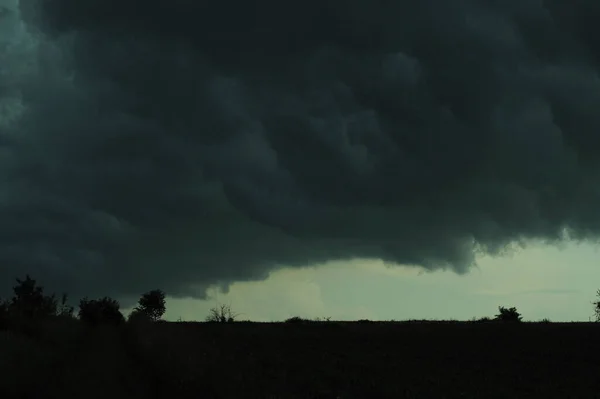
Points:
[(314, 360)]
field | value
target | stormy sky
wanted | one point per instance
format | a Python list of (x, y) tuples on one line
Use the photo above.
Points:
[(186, 144)]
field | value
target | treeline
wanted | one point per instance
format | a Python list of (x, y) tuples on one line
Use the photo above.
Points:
[(30, 304)]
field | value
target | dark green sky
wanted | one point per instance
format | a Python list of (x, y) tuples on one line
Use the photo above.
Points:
[(181, 146)]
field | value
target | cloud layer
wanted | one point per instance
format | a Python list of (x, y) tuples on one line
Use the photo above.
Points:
[(189, 143)]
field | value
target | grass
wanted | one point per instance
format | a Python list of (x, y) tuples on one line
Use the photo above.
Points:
[(416, 359)]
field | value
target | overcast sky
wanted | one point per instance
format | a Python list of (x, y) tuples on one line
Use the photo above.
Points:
[(237, 143), (542, 282)]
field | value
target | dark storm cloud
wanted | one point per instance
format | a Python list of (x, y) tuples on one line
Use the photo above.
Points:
[(184, 143)]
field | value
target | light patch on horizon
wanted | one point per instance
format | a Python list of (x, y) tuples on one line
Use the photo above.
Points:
[(541, 281)]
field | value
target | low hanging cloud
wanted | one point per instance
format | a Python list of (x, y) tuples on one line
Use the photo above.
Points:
[(187, 143)]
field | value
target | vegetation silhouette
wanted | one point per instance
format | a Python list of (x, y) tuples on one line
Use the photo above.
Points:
[(29, 300), (103, 311), (181, 359), (139, 317), (296, 320), (508, 315), (64, 309), (221, 314), (29, 308), (300, 320), (4, 316), (597, 307), (152, 304)]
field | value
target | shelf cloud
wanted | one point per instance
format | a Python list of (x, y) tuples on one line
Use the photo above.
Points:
[(188, 143)]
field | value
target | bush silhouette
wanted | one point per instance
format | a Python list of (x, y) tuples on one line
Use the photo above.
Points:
[(484, 319), (296, 320), (508, 314), (100, 311), (30, 308), (597, 306), (64, 309), (139, 317), (3, 315), (152, 303), (30, 302), (221, 314)]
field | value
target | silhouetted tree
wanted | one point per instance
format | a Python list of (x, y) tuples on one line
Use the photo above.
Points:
[(508, 314), (137, 316), (100, 311), (152, 303), (3, 314), (221, 314), (30, 302), (64, 309), (597, 306)]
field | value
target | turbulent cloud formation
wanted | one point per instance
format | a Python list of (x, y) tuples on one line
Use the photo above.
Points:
[(186, 143)]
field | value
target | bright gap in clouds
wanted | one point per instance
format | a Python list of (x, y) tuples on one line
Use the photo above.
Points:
[(541, 281)]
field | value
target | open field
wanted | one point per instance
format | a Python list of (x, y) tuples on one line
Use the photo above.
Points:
[(312, 360)]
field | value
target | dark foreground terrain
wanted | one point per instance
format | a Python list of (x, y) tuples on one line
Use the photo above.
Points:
[(314, 360)]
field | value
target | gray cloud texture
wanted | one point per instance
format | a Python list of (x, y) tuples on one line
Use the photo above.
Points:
[(185, 143)]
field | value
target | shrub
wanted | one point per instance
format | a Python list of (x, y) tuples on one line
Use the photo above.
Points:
[(100, 311), (597, 306), (139, 317), (153, 304), (3, 315), (30, 302), (29, 308), (508, 314), (64, 309), (221, 314), (296, 320)]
